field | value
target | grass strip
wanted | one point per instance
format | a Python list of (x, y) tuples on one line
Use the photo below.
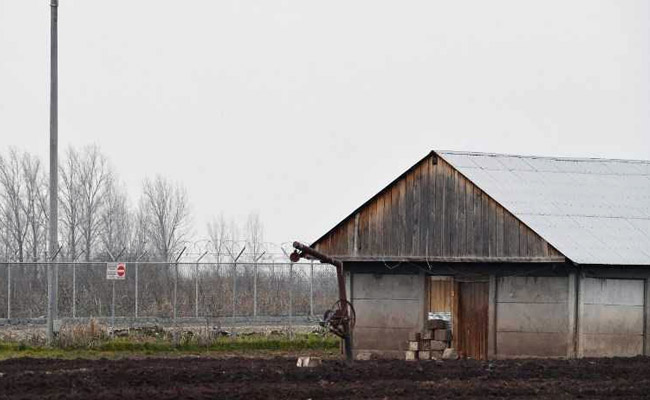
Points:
[(152, 346)]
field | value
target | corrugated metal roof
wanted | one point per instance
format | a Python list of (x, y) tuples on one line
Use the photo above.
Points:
[(594, 211)]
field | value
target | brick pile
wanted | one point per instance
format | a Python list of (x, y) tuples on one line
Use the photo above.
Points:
[(430, 344)]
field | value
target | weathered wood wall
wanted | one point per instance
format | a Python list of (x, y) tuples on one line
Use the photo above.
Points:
[(440, 289), (434, 212)]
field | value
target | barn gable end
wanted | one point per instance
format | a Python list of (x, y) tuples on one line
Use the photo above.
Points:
[(433, 212)]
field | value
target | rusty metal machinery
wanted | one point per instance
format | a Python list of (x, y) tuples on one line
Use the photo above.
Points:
[(341, 317)]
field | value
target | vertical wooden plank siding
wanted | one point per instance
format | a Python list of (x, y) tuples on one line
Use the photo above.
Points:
[(492, 226), (415, 212), (470, 220), (499, 232), (478, 222), (424, 207), (401, 220), (440, 294), (439, 216), (461, 217), (434, 211), (409, 210), (472, 316)]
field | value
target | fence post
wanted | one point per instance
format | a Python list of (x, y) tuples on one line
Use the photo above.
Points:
[(311, 289), (196, 291), (255, 291), (291, 301), (8, 291), (176, 284), (113, 309), (234, 294), (175, 290), (136, 290), (74, 290)]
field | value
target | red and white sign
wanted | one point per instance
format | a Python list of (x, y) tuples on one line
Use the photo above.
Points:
[(115, 271), (121, 270)]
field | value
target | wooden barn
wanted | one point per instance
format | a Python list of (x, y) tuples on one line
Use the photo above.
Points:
[(523, 256)]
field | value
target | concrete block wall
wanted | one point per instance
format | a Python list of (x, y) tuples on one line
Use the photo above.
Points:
[(388, 308), (611, 317), (603, 314), (557, 317), (532, 317)]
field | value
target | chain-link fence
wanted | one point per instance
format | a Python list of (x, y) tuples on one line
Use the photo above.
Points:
[(170, 293)]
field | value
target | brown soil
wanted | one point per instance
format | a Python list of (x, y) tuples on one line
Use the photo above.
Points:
[(246, 378)]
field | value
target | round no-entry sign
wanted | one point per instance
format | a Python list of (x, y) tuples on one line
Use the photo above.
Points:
[(121, 270)]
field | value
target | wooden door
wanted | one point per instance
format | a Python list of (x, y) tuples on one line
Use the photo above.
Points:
[(471, 327)]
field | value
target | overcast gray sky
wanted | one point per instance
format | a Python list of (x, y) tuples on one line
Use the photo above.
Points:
[(301, 110)]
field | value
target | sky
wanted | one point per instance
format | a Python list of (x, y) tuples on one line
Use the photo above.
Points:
[(302, 110)]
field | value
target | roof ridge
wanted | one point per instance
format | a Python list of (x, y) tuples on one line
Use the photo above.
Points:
[(554, 158)]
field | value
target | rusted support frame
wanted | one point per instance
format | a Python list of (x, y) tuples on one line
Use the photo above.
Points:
[(303, 251)]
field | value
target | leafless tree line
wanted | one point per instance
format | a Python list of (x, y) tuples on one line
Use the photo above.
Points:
[(97, 222)]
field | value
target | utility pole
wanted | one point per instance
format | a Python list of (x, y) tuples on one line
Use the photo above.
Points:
[(52, 270)]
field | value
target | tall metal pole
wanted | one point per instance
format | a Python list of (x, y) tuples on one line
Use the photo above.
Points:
[(54, 165)]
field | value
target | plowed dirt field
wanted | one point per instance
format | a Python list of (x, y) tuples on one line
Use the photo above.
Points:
[(250, 378)]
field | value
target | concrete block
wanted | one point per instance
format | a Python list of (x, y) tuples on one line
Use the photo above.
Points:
[(531, 344), (450, 354), (437, 345), (424, 355), (441, 335), (427, 335), (365, 356), (435, 324), (384, 286), (532, 289), (385, 313), (414, 346), (613, 291), (611, 345), (308, 362), (436, 354), (415, 336), (381, 339), (411, 355), (599, 318), (425, 345), (532, 317)]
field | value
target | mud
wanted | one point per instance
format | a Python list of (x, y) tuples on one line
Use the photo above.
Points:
[(252, 378)]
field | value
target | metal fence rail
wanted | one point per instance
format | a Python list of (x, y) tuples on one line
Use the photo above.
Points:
[(169, 291)]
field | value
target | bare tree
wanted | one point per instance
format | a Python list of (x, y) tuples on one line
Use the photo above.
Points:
[(94, 178), (219, 236), (166, 209), (70, 202), (138, 244), (13, 201), (115, 220), (35, 205), (254, 236)]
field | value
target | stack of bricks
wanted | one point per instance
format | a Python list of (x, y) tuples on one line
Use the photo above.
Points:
[(431, 344)]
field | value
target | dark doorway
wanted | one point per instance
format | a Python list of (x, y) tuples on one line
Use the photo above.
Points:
[(471, 327)]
